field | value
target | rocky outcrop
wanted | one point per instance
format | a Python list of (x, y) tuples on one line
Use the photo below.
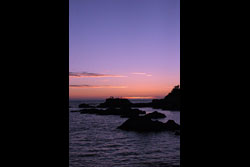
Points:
[(155, 115), (171, 125), (131, 113), (147, 125), (170, 102), (115, 103), (141, 124), (140, 105), (177, 133), (123, 112)]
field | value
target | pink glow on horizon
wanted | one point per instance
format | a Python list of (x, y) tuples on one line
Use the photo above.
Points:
[(134, 91), (139, 97), (142, 73), (127, 49)]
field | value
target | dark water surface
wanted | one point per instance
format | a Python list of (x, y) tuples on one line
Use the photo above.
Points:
[(95, 142)]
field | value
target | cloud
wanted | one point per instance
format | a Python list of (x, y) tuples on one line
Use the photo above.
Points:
[(95, 86), (142, 73), (139, 73), (96, 75)]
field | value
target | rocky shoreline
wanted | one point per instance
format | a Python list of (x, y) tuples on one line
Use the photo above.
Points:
[(170, 102), (138, 120)]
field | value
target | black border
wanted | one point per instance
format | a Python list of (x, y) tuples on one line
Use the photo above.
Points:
[(37, 117)]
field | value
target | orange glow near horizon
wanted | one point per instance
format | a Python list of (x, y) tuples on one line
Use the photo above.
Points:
[(138, 97), (134, 86), (130, 92)]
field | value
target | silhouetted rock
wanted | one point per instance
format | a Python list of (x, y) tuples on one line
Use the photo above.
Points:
[(115, 103), (123, 112), (146, 124), (139, 105), (170, 102), (83, 105), (130, 113), (155, 115), (177, 133), (171, 125), (142, 124)]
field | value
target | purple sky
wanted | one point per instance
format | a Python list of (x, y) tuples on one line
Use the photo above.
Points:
[(138, 40)]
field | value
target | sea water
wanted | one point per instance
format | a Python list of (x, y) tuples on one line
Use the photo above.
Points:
[(95, 141)]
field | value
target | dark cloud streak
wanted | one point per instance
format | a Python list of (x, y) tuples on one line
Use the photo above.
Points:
[(95, 86), (86, 74)]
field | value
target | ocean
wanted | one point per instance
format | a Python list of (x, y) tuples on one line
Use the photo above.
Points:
[(95, 141)]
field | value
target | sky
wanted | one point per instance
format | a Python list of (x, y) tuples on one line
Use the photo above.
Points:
[(123, 48)]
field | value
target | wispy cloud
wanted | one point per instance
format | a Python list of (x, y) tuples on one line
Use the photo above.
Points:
[(139, 73), (87, 74), (142, 73), (95, 86)]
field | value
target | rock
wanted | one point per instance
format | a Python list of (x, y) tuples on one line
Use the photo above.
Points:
[(140, 105), (147, 125), (115, 103), (83, 105), (171, 125), (123, 112), (142, 124), (155, 115), (169, 102), (177, 132), (130, 113)]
